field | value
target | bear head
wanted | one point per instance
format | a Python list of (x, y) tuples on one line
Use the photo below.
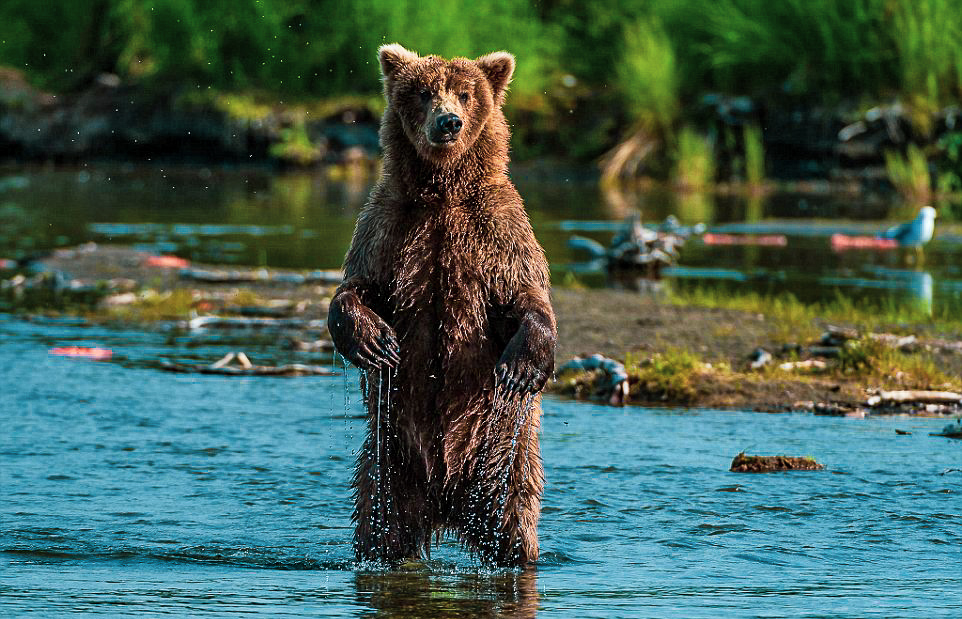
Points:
[(443, 105)]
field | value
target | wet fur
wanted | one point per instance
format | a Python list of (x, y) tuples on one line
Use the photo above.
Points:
[(444, 272)]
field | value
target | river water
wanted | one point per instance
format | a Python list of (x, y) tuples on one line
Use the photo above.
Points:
[(131, 491), (255, 217)]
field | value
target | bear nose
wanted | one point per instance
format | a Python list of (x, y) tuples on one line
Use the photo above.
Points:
[(449, 123)]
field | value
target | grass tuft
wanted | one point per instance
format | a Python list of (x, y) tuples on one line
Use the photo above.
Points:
[(909, 173)]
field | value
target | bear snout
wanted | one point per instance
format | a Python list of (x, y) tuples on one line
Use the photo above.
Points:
[(446, 128)]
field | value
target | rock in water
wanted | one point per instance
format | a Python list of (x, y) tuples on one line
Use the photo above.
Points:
[(772, 464)]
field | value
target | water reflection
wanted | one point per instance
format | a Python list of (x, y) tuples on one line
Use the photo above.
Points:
[(919, 286), (426, 594), (256, 217)]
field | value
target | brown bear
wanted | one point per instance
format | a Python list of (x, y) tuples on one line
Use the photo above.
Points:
[(445, 307)]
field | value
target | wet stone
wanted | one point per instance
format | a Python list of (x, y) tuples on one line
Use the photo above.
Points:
[(772, 464)]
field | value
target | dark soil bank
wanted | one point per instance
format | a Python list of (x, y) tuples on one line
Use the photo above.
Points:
[(110, 119), (114, 120), (112, 283)]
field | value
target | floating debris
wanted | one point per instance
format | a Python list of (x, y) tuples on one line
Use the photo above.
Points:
[(238, 364), (772, 464), (763, 240), (167, 262), (842, 242), (83, 352)]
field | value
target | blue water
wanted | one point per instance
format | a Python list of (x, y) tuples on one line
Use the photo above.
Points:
[(130, 491)]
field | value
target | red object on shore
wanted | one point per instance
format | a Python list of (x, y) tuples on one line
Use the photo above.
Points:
[(765, 240), (168, 262), (8, 264), (841, 242), (95, 354)]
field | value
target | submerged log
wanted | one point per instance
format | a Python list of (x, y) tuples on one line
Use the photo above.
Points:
[(772, 464)]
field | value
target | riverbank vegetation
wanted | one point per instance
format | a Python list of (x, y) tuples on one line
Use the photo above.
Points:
[(645, 87)]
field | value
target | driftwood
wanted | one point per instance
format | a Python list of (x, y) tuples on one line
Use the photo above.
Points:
[(239, 322), (772, 464), (244, 367), (895, 341), (808, 364), (888, 398), (262, 276), (322, 345)]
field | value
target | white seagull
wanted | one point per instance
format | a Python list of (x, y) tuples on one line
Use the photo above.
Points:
[(916, 232)]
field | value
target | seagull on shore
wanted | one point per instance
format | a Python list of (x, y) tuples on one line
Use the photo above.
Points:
[(914, 233)]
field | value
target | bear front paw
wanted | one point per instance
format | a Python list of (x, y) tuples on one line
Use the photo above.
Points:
[(519, 379), (362, 336)]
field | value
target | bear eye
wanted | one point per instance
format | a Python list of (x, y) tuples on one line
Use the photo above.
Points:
[(464, 97), (425, 96)]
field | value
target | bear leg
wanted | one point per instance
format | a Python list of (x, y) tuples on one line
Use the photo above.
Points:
[(501, 502), (390, 505)]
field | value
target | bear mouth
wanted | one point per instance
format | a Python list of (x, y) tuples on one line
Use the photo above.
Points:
[(443, 139)]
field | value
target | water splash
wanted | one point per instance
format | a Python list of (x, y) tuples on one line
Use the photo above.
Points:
[(493, 453)]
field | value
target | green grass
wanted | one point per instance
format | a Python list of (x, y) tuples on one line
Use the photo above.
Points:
[(647, 76), (866, 358), (799, 321), (754, 156), (694, 161), (670, 375), (156, 306), (909, 174), (929, 52)]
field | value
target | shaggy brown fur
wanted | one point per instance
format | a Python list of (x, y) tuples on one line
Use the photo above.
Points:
[(445, 306)]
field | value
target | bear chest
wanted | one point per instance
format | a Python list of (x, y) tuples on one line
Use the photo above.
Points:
[(442, 273)]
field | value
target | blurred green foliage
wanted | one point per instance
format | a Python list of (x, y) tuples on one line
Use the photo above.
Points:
[(318, 47), (640, 62), (291, 47)]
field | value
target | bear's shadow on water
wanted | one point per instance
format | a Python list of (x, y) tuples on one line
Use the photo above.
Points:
[(428, 594)]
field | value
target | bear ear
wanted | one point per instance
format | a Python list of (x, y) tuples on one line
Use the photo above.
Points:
[(498, 67), (393, 58)]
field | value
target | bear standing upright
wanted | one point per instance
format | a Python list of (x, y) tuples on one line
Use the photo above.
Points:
[(445, 307)]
